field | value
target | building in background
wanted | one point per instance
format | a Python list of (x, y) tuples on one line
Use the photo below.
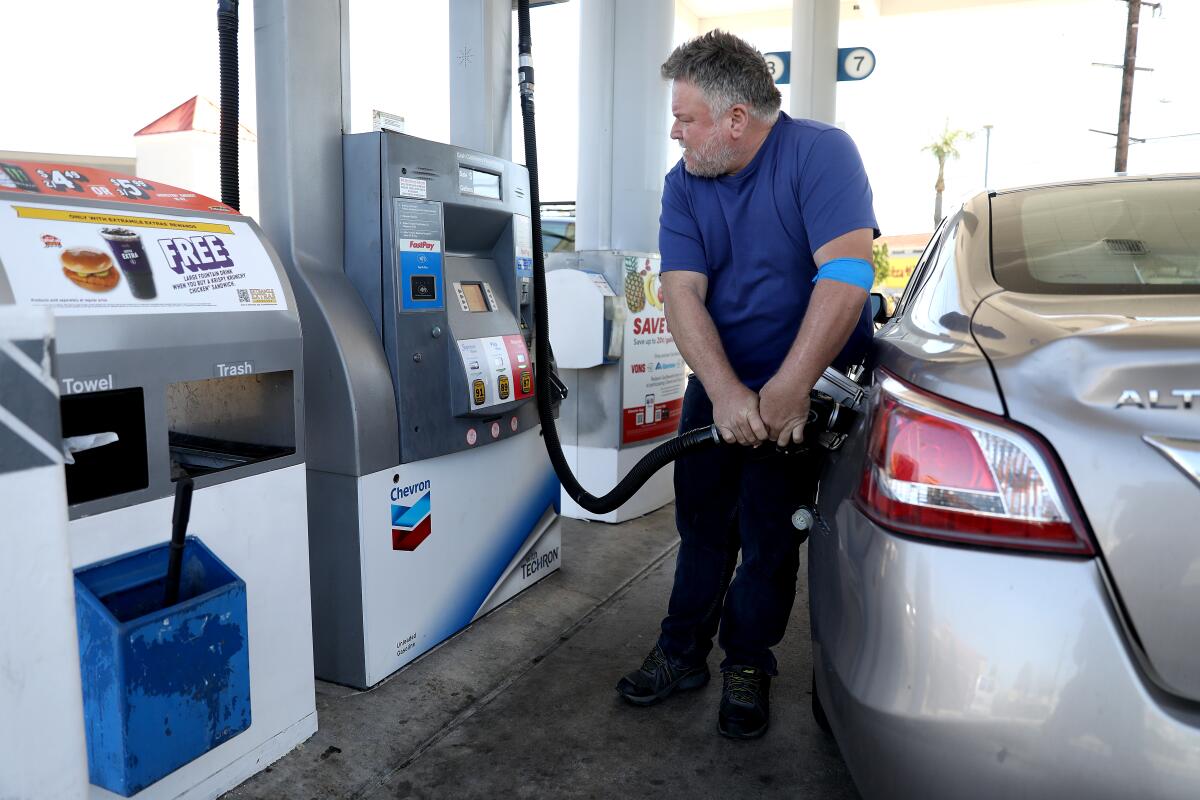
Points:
[(903, 252), (181, 148)]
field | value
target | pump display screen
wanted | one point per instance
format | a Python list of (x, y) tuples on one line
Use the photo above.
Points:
[(474, 294), (481, 184)]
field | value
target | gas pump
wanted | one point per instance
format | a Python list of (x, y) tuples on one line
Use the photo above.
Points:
[(438, 249)]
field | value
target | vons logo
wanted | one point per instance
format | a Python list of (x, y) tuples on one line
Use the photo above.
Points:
[(412, 523), (637, 369)]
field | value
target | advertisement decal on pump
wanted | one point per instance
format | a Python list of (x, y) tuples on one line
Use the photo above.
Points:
[(80, 262), (654, 380)]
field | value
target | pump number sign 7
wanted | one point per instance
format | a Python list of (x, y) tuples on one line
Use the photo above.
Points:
[(855, 63)]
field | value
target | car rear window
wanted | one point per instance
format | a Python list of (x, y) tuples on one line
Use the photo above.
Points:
[(1109, 238)]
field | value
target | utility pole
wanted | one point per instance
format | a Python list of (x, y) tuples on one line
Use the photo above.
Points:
[(987, 154), (1131, 37)]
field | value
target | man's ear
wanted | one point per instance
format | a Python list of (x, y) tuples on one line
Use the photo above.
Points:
[(739, 120)]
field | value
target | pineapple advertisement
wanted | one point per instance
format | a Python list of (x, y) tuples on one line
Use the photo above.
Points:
[(653, 383)]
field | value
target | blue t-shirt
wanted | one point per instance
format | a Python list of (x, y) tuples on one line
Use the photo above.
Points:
[(754, 234)]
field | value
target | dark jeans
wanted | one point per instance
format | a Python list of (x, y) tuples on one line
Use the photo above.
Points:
[(726, 498)]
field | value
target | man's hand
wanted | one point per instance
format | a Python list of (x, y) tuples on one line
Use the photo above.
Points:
[(735, 413), (783, 405)]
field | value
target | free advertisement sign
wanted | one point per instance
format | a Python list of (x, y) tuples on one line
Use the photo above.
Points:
[(653, 383), (80, 261)]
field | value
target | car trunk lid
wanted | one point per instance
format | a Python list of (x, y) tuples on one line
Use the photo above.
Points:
[(1113, 384)]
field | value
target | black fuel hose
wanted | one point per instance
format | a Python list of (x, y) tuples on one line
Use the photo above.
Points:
[(660, 456), (227, 33)]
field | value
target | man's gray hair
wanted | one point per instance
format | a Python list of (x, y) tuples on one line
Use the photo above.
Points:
[(728, 71)]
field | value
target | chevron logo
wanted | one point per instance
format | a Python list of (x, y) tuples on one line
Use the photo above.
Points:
[(411, 525)]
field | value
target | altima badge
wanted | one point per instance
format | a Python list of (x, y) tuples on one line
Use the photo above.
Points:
[(1131, 397)]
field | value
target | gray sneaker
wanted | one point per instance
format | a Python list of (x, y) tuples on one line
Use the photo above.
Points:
[(658, 677), (745, 703)]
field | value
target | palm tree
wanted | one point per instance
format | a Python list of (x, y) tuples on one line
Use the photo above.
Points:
[(942, 149)]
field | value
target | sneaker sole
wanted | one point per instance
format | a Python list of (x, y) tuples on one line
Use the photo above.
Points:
[(752, 735), (685, 684)]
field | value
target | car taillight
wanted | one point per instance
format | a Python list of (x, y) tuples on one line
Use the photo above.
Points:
[(941, 470)]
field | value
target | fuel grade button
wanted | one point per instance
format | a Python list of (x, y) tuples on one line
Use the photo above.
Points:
[(505, 388), (479, 391)]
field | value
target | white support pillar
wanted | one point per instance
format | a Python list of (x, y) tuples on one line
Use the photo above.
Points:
[(814, 59), (624, 111), (481, 92), (42, 745)]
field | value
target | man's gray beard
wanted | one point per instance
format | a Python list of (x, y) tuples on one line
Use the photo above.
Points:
[(711, 159)]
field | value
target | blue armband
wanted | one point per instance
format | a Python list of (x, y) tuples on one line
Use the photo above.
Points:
[(854, 271)]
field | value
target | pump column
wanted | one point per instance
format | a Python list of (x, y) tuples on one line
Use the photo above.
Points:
[(481, 75), (607, 321), (623, 148), (814, 59)]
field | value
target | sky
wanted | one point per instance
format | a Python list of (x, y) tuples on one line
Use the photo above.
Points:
[(1026, 69)]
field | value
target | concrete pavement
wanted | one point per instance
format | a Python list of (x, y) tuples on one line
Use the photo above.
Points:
[(521, 704)]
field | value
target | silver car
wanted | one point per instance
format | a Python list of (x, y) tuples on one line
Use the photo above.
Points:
[(1005, 569)]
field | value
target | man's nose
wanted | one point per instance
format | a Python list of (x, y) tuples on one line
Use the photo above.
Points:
[(675, 131)]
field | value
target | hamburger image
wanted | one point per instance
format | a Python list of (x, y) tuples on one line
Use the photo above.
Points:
[(89, 268)]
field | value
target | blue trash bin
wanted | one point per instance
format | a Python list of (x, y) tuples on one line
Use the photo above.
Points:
[(161, 686)]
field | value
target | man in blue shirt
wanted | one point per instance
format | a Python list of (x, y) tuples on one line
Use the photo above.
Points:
[(765, 235)]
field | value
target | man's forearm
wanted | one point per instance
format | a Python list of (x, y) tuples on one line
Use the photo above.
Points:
[(697, 339), (833, 311)]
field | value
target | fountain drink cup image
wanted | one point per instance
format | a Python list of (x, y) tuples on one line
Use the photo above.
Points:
[(131, 257)]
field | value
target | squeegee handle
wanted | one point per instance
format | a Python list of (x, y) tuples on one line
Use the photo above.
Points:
[(179, 524)]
